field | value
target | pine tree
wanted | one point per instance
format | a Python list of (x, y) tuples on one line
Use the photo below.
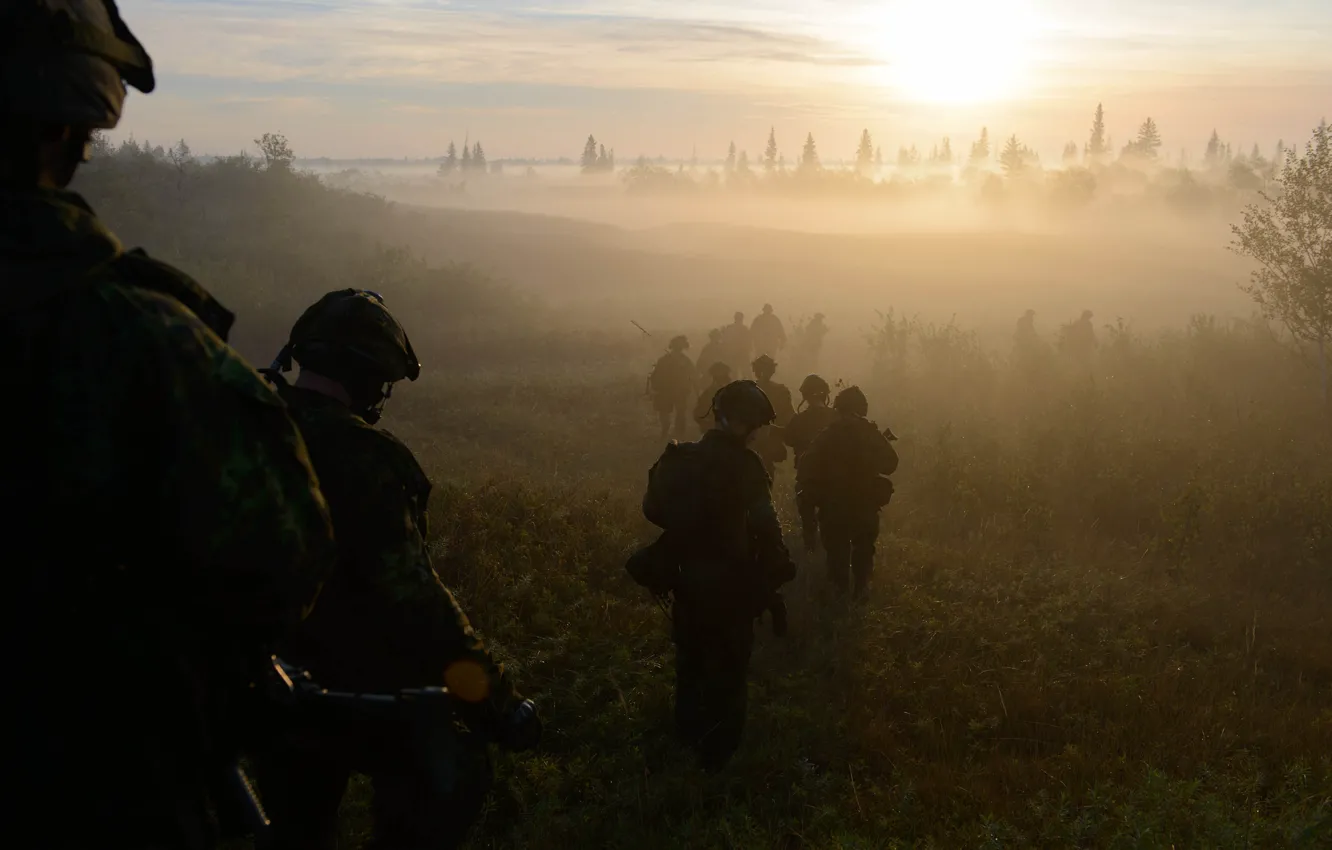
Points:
[(602, 162), (1013, 160), (589, 160), (770, 152), (1148, 141), (742, 165), (864, 152), (478, 158), (946, 151), (878, 157), (450, 163), (980, 149), (1097, 145), (1213, 155), (1070, 153), (730, 160), (610, 160), (466, 164), (809, 155)]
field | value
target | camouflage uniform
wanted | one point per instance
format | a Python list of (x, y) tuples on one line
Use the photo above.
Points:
[(799, 434), (730, 564), (384, 622), (768, 443), (844, 470), (712, 353), (672, 382), (200, 533), (721, 376), (737, 344)]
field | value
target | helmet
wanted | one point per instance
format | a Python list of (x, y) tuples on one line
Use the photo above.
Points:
[(767, 308), (1086, 314), (744, 403), (719, 371), (714, 334), (852, 400), (814, 385), (680, 343), (739, 317), (764, 363), (351, 330), (67, 62)]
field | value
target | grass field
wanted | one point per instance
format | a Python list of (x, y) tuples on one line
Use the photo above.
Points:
[(1100, 615)]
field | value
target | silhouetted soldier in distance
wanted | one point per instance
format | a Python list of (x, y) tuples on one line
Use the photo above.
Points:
[(738, 343), (719, 375), (672, 386), (810, 344), (768, 334), (1026, 342), (712, 352), (199, 534), (384, 622), (768, 443), (845, 471), (713, 501), (815, 415), (1077, 340)]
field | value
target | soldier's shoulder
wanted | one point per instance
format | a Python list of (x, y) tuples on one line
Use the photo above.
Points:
[(396, 456), (184, 350)]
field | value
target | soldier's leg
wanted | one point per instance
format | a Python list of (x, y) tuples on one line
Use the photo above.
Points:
[(690, 662), (726, 696), (301, 789), (681, 415), (809, 520), (664, 420), (837, 546), (412, 813), (864, 537)]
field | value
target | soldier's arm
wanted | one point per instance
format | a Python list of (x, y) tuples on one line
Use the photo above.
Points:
[(249, 523), (765, 529), (885, 456), (387, 546)]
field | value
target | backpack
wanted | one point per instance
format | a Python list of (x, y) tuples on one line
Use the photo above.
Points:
[(677, 487)]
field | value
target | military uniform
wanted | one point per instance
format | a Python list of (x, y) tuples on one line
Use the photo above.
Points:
[(770, 445), (712, 352), (799, 434), (169, 529), (737, 344), (384, 622), (672, 382), (703, 406), (768, 334), (731, 561), (844, 472)]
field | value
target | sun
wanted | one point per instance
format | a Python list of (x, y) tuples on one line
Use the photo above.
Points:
[(965, 51)]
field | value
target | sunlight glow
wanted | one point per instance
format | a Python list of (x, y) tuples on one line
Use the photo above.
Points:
[(967, 51)]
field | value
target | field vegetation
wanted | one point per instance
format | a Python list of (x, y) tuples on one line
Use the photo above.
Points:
[(1100, 615)]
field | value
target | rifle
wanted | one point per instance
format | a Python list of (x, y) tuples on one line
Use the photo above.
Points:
[(293, 695), (641, 328)]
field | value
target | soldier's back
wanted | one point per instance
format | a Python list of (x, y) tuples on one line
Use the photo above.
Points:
[(168, 516)]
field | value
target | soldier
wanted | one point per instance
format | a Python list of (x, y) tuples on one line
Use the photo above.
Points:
[(845, 472), (807, 424), (811, 341), (713, 500), (671, 383), (768, 333), (768, 444), (720, 375), (201, 533), (712, 353), (1077, 340), (737, 343), (384, 622)]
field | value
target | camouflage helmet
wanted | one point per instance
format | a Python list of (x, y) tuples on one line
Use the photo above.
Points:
[(67, 62), (719, 370), (714, 334), (352, 329), (764, 363), (813, 385), (680, 343), (744, 403), (852, 400)]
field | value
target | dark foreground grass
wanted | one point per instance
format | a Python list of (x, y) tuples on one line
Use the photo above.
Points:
[(1100, 619)]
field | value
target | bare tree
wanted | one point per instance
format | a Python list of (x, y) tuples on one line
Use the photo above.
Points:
[(1290, 236), (277, 152)]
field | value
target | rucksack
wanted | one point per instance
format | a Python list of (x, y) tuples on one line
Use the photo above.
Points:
[(676, 497)]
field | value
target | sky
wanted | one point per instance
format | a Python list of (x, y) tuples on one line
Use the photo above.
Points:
[(403, 78)]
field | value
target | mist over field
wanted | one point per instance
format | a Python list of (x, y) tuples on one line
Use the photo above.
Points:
[(1100, 609)]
